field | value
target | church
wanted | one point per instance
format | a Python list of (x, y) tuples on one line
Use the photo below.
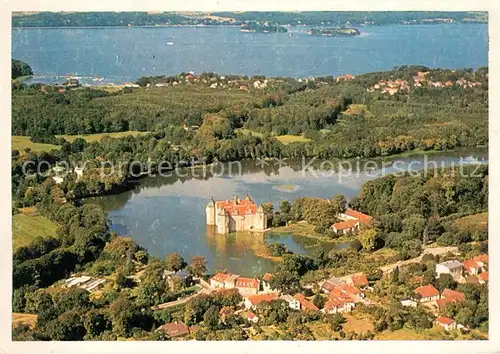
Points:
[(235, 215)]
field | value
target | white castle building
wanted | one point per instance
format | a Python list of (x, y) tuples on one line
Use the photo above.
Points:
[(235, 215)]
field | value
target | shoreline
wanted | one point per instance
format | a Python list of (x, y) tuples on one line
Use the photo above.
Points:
[(307, 230), (239, 25)]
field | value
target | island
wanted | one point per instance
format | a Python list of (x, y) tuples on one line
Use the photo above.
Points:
[(262, 28), (334, 32)]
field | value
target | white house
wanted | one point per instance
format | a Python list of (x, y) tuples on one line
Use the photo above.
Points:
[(293, 303), (454, 268), (223, 281), (409, 303), (266, 283), (447, 323)]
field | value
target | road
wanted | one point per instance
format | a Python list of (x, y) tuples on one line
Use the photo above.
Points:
[(429, 250), (205, 289)]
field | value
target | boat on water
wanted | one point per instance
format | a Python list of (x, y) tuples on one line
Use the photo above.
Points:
[(170, 43)]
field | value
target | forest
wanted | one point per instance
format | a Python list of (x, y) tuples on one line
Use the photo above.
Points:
[(20, 68), (226, 118)]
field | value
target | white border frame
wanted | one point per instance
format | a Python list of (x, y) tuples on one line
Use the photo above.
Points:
[(407, 347)]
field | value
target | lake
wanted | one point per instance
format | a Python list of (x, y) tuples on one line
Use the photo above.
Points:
[(116, 55), (167, 214)]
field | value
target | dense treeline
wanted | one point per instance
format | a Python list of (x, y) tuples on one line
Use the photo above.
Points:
[(342, 120), (52, 19), (342, 17), (20, 68), (82, 236), (91, 19), (411, 211)]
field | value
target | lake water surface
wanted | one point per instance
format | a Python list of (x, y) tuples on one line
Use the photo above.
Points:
[(167, 214), (125, 54)]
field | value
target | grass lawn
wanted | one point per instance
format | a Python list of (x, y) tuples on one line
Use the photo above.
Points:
[(427, 334), (288, 139), (27, 226), (475, 222), (24, 318), (306, 230), (249, 132), (322, 331), (97, 137), (358, 323), (356, 109), (22, 142)]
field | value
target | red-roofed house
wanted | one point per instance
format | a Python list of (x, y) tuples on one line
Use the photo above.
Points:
[(305, 304), (475, 265), (247, 286), (449, 296), (335, 305), (223, 281), (453, 295), (174, 329), (359, 280), (252, 317), (351, 214), (447, 323), (426, 293), (253, 300), (482, 277), (345, 226)]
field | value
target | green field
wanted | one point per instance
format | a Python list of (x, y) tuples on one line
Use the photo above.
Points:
[(288, 139), (245, 131), (26, 227), (22, 142), (97, 137)]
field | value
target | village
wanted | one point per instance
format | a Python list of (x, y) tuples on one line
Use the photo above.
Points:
[(338, 295), (421, 79), (342, 295)]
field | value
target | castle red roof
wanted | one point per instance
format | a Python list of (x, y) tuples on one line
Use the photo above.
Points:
[(241, 207)]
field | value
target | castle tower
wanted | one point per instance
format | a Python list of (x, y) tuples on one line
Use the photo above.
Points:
[(210, 212), (261, 218)]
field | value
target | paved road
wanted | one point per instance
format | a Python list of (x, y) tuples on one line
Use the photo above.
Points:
[(205, 289), (430, 250)]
